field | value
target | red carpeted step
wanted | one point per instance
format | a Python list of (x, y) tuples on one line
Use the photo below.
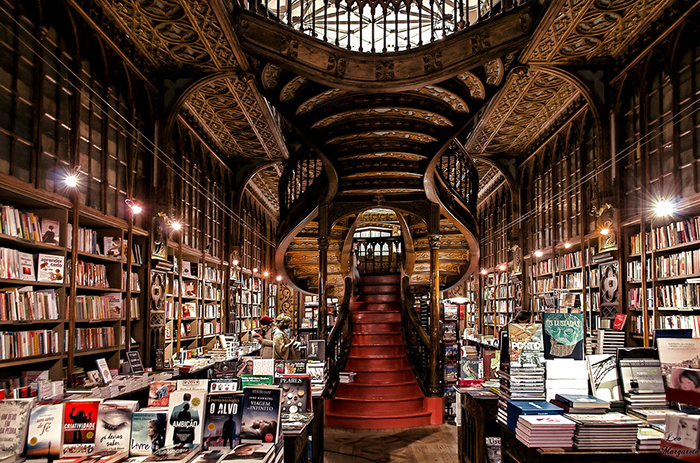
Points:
[(389, 421), (389, 307), (359, 390), (376, 316), (383, 377), (379, 298), (379, 289), (376, 407), (376, 328), (367, 351), (376, 339), (380, 279), (377, 365)]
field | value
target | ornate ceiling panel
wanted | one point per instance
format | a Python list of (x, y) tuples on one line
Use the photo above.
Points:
[(180, 34), (585, 30), (528, 103), (267, 181)]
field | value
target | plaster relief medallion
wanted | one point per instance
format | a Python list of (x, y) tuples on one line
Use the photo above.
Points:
[(270, 76)]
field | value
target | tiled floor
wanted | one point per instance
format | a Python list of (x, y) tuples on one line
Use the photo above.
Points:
[(425, 444)]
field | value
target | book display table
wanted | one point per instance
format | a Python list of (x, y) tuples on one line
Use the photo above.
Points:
[(514, 451), (478, 421)]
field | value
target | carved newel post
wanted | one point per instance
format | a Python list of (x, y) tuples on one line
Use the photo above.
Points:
[(323, 242), (434, 377)]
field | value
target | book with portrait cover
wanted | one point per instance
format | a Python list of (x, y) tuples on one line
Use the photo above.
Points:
[(45, 431), (260, 418), (185, 417), (563, 335), (179, 453), (50, 231), (289, 367), (159, 393), (525, 345), (222, 425), (79, 426), (113, 427), (147, 432), (14, 418)]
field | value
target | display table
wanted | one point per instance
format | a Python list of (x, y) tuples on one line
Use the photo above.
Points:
[(478, 422), (297, 441), (514, 451)]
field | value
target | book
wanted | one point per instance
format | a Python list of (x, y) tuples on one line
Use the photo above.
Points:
[(105, 374), (147, 432), (602, 370), (289, 367), (179, 453), (224, 385), (222, 424), (185, 412), (251, 452), (113, 246), (317, 372), (678, 353), (641, 376), (492, 360), (26, 266), (135, 364), (260, 418), (525, 345), (471, 368), (316, 349), (582, 401), (14, 419), (296, 390), (563, 335), (104, 456), (113, 427), (44, 431), (253, 380), (79, 426), (50, 231), (50, 268), (192, 384), (264, 367), (619, 322), (159, 393)]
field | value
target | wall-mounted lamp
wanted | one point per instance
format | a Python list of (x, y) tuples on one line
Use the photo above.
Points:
[(501, 267), (255, 270), (538, 253), (567, 245), (71, 179), (135, 207), (266, 274), (278, 278), (483, 271), (234, 262), (664, 207)]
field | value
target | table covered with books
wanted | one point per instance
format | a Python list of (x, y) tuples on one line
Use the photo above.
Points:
[(478, 411)]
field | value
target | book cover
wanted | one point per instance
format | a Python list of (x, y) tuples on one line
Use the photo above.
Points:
[(222, 424), (563, 335), (114, 305), (619, 322), (452, 352), (135, 364), (253, 380), (179, 453), (185, 415), (147, 432), (79, 426), (602, 371), (105, 374), (582, 401), (296, 390), (50, 231), (192, 384), (641, 376), (26, 266), (471, 368), (113, 427), (14, 419), (260, 418), (525, 345), (113, 246), (45, 431), (450, 372), (449, 331), (159, 393), (220, 385), (316, 349), (316, 371), (264, 367), (50, 268), (492, 360), (251, 452), (678, 353), (289, 367)]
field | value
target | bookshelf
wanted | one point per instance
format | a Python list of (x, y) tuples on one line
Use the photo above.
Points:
[(450, 354)]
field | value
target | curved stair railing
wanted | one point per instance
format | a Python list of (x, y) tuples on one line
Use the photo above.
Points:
[(415, 340), (458, 177), (384, 25), (339, 341)]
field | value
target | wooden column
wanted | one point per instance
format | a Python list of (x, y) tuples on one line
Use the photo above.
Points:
[(434, 377), (323, 242)]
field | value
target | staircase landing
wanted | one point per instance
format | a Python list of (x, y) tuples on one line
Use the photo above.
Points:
[(385, 393)]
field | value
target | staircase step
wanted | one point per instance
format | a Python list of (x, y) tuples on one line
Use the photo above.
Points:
[(379, 298), (358, 390), (380, 279), (367, 351), (372, 316), (390, 307), (379, 289), (383, 378), (377, 365), (376, 339), (377, 328), (371, 422), (375, 407)]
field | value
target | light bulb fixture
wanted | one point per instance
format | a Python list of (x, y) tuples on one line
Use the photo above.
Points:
[(278, 278), (605, 231), (501, 267), (135, 207), (234, 262), (664, 207), (266, 274), (71, 179), (176, 226), (483, 271), (255, 270), (567, 245), (538, 253)]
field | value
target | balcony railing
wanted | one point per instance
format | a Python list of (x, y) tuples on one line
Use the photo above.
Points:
[(300, 176), (379, 255), (379, 26)]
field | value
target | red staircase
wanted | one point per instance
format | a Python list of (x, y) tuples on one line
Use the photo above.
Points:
[(385, 393)]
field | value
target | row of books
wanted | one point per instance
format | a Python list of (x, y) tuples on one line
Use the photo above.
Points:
[(135, 281), (542, 286), (24, 303), (90, 274), (211, 310), (18, 344), (681, 232), (88, 307), (212, 274), (674, 322), (683, 296), (570, 281), (679, 264), (25, 225), (544, 267), (16, 265), (569, 261), (94, 338), (212, 292)]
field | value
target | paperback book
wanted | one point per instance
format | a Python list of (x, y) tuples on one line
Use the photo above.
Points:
[(179, 453), (14, 418), (79, 426), (260, 418), (44, 434), (26, 266), (678, 353), (192, 384), (113, 427), (50, 231), (526, 348), (296, 390), (289, 367), (186, 412), (147, 432), (159, 393), (602, 370), (50, 268), (223, 421)]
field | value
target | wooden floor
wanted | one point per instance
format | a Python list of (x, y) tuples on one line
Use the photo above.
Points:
[(424, 444)]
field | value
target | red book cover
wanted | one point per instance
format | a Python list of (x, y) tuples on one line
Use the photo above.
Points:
[(79, 425), (619, 322)]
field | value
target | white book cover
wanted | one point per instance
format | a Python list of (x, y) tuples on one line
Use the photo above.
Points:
[(678, 353), (50, 268), (50, 231), (192, 384), (45, 431), (115, 304), (104, 371), (113, 246), (14, 418), (185, 417), (602, 370), (147, 432), (264, 367), (113, 431), (26, 266)]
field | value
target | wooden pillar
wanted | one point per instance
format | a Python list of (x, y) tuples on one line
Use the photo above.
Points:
[(434, 240), (323, 243)]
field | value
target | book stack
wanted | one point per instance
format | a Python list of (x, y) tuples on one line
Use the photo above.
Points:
[(518, 408), (581, 403), (609, 341), (522, 370), (642, 383), (347, 377), (653, 415), (545, 431), (649, 439), (566, 376), (610, 431)]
